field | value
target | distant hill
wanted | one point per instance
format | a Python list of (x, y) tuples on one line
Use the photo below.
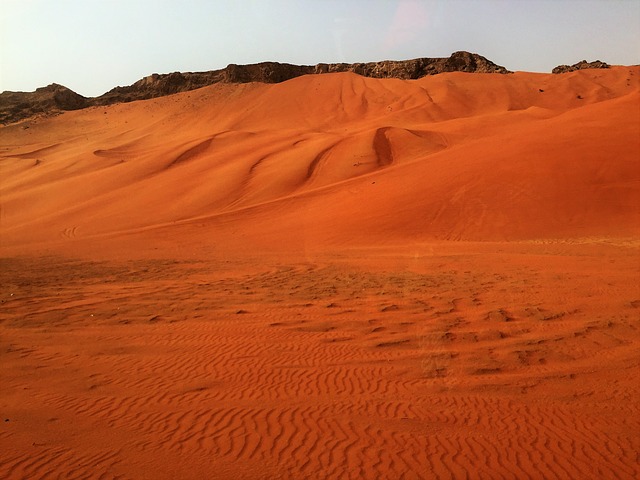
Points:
[(16, 106)]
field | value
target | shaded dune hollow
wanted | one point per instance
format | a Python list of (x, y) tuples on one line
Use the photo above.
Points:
[(330, 277)]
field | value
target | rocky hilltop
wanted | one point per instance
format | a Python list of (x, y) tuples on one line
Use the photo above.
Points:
[(16, 106), (54, 98), (273, 72), (579, 66)]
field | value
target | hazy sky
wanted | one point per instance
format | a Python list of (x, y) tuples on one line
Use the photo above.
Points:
[(93, 45)]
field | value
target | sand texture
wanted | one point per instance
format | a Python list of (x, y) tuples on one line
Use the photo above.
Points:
[(333, 277)]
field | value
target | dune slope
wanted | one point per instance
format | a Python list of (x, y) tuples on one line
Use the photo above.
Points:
[(456, 156), (331, 277)]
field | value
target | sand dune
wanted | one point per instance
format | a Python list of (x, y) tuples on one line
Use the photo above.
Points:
[(455, 156), (329, 277)]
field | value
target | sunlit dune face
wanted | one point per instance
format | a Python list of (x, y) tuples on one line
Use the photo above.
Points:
[(339, 159), (332, 277)]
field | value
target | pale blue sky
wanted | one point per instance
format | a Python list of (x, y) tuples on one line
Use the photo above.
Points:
[(93, 45)]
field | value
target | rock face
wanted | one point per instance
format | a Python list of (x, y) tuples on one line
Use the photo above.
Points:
[(15, 106), (273, 72), (417, 68), (579, 66)]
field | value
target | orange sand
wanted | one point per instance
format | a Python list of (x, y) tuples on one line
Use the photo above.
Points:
[(331, 277)]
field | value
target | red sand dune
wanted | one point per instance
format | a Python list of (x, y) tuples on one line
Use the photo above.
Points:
[(330, 277)]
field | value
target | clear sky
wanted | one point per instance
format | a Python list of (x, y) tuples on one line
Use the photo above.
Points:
[(91, 46)]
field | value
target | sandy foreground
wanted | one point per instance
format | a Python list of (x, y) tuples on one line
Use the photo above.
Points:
[(332, 277)]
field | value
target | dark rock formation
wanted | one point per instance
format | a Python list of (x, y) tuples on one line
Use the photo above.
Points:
[(265, 72), (156, 86), (273, 72), (417, 68), (15, 106), (579, 66)]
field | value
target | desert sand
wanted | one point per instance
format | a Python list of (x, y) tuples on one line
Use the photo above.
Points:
[(330, 277)]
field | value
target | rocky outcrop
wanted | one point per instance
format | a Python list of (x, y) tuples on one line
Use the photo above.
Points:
[(15, 106), (405, 69), (157, 85), (416, 68), (579, 66), (273, 72)]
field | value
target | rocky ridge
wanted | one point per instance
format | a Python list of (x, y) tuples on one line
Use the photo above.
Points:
[(157, 85), (54, 99), (15, 106), (579, 66)]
